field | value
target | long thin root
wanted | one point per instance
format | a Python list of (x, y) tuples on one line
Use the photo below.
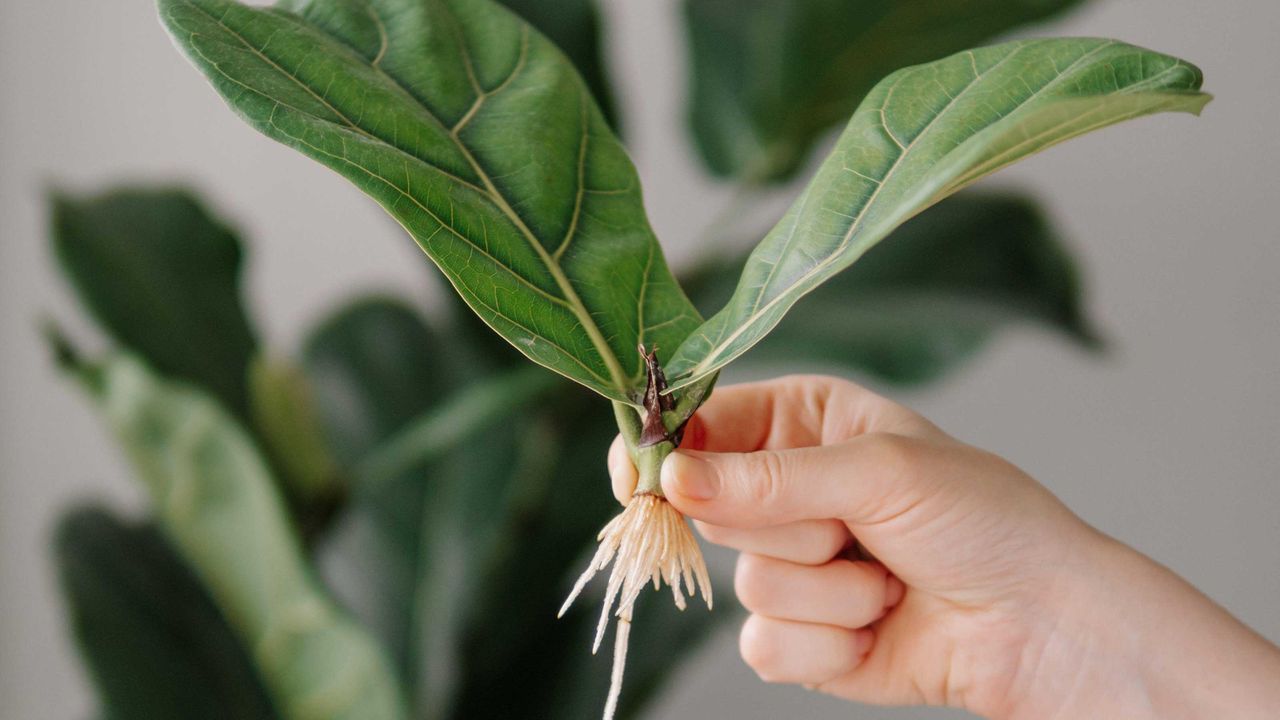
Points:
[(652, 543)]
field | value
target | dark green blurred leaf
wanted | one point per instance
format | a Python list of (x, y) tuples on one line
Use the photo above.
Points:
[(374, 365), (929, 296), (440, 452), (663, 639), (515, 641), (574, 25), (475, 407), (155, 644), (161, 275), (216, 502), (769, 78)]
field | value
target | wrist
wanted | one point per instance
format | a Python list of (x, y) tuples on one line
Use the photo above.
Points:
[(1122, 636)]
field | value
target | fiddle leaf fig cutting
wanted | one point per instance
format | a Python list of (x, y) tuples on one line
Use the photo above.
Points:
[(477, 134)]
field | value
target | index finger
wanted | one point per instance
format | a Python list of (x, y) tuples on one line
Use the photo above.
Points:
[(795, 411)]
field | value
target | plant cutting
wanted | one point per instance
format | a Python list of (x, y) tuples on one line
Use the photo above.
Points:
[(476, 133)]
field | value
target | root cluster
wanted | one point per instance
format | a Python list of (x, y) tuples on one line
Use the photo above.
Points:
[(648, 542)]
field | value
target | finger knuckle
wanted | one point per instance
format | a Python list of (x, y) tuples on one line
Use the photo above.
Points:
[(769, 481), (864, 585), (750, 583), (760, 649)]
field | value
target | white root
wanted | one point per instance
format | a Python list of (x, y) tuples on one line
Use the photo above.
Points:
[(652, 543)]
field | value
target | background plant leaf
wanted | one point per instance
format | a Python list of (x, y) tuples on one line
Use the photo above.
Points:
[(161, 274), (215, 500), (374, 367), (284, 411), (156, 646), (433, 493), (475, 133), (922, 134), (768, 79), (923, 301)]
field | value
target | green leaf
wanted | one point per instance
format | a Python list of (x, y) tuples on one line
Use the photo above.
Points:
[(515, 641), (476, 407), (922, 134), (574, 26), (161, 274), (477, 135), (156, 646), (373, 366), (215, 501), (923, 301), (439, 452), (768, 79)]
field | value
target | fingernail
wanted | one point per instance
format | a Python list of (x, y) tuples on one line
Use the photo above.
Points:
[(690, 476)]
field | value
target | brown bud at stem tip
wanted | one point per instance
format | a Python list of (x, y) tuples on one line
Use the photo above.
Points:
[(655, 402)]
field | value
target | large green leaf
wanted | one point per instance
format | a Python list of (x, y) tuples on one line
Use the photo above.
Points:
[(769, 78), (161, 274), (216, 502), (922, 134), (918, 304), (477, 134), (155, 644)]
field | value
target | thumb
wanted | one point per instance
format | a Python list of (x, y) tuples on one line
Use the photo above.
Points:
[(870, 477)]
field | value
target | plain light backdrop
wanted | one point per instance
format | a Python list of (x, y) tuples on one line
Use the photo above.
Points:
[(1169, 443)]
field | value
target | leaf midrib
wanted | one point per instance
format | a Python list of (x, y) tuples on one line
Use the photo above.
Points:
[(574, 302)]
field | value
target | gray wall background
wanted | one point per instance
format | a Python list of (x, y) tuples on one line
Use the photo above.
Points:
[(1169, 443)]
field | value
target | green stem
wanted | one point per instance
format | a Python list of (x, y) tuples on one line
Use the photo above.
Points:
[(649, 465), (648, 460)]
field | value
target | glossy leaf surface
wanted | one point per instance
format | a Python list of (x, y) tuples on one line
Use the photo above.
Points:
[(769, 78), (161, 274), (215, 501), (574, 26), (922, 302), (477, 134), (156, 646), (922, 134)]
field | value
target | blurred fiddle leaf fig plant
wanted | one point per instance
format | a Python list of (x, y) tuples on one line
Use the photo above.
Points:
[(768, 80), (380, 524)]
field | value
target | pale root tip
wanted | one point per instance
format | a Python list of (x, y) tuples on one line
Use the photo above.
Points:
[(649, 542)]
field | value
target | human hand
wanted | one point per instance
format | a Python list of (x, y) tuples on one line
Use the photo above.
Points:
[(985, 592)]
